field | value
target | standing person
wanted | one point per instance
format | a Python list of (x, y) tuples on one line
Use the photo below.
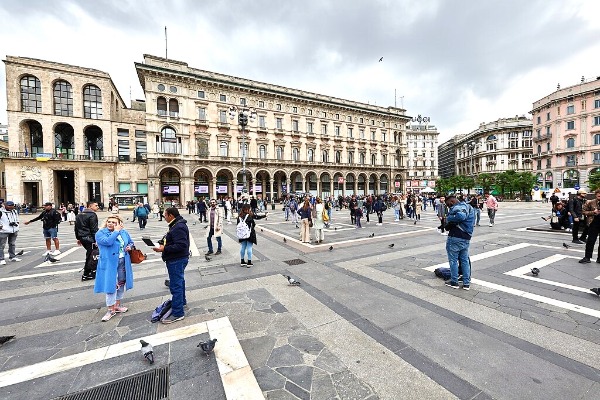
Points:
[(576, 211), (161, 210), (492, 206), (141, 213), (379, 208), (135, 212), (474, 202), (293, 207), (202, 210), (86, 226), (357, 216), (253, 204), (461, 218), (215, 227), (305, 220), (71, 214), (591, 211), (418, 206), (114, 274), (396, 205), (248, 218), (318, 221), (175, 249), (286, 208), (9, 230), (441, 211), (50, 220), (227, 208), (554, 199), (155, 210)]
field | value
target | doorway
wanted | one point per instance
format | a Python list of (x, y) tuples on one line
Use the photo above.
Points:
[(31, 193), (65, 186)]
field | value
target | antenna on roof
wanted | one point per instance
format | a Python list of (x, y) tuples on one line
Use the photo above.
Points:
[(166, 42)]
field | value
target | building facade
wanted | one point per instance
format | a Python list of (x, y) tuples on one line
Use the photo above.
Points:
[(298, 141), (422, 157), (495, 147), (566, 126), (447, 158), (70, 134)]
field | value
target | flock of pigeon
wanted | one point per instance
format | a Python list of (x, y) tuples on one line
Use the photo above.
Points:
[(148, 352)]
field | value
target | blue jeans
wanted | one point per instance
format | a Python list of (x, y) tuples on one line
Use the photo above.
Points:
[(477, 214), (397, 214), (246, 247), (209, 240), (458, 249), (111, 298), (176, 270)]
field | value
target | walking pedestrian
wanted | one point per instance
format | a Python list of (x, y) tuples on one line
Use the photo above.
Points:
[(175, 249), (492, 206), (202, 209), (114, 274), (305, 213), (591, 211), (141, 213), (9, 230), (441, 211), (293, 207), (215, 227), (50, 220), (474, 202), (358, 213), (379, 208), (246, 244), (86, 226), (318, 221), (576, 212), (460, 220)]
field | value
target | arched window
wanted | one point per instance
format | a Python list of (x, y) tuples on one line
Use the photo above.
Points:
[(363, 158), (36, 138), (63, 99), (325, 156), (173, 108), (161, 106), (223, 149), (279, 152), (31, 94), (93, 143), (539, 148), (570, 178), (296, 154), (92, 102), (338, 156), (373, 159), (262, 152), (570, 143), (64, 141), (311, 155), (384, 160), (597, 138), (243, 150), (169, 142), (491, 137)]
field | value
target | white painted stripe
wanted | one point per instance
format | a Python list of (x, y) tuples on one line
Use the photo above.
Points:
[(19, 277), (537, 264), (193, 247), (541, 299), (483, 256), (45, 368)]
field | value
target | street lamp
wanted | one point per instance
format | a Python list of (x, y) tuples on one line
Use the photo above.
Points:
[(471, 146), (244, 115)]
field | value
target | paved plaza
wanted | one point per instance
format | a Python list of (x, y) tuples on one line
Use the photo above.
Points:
[(369, 321)]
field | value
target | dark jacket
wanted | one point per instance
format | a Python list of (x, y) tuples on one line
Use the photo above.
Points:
[(50, 218), (86, 226), (305, 213), (576, 207), (177, 240), (251, 224)]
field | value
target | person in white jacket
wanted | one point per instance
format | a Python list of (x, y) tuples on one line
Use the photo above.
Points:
[(9, 230)]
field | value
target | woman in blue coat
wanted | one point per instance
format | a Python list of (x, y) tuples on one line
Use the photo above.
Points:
[(114, 274)]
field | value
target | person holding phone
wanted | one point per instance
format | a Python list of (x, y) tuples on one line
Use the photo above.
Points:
[(114, 274)]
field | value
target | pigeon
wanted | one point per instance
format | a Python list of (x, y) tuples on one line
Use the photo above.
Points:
[(566, 246), (205, 226), (335, 229), (147, 351), (391, 245), (207, 258), (194, 223), (284, 241), (535, 271), (167, 283), (381, 59), (4, 339), (127, 218), (596, 291), (261, 229), (292, 281), (372, 234), (207, 347), (50, 258), (20, 253), (330, 248)]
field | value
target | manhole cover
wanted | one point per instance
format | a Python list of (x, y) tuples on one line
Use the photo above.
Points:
[(295, 261), (150, 385)]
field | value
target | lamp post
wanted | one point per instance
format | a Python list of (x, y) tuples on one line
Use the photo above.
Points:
[(244, 115)]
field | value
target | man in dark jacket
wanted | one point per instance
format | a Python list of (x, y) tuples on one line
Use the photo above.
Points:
[(576, 212), (86, 226), (175, 249), (50, 220)]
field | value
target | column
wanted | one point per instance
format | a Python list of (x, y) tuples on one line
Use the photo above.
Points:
[(271, 196), (213, 188), (234, 191), (377, 187), (356, 185), (331, 187), (304, 184)]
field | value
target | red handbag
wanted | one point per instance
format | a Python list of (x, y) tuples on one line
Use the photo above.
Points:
[(136, 256)]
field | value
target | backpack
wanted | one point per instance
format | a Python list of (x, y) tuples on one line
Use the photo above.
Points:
[(443, 273), (293, 206), (242, 230), (162, 311)]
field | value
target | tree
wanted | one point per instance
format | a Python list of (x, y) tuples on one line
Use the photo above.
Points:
[(525, 181), (594, 180), (442, 186), (469, 183), (486, 181)]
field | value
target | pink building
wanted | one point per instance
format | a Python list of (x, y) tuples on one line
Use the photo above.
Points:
[(566, 135)]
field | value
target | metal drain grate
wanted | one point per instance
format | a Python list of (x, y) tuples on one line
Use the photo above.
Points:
[(295, 261), (150, 385)]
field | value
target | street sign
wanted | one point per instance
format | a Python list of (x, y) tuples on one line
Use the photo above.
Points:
[(536, 188), (397, 184), (576, 187)]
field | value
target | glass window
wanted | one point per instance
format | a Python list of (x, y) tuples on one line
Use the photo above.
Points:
[(295, 125), (170, 143), (122, 132), (222, 116), (295, 110), (172, 89), (361, 120), (278, 107), (201, 94), (351, 157), (338, 156), (309, 111), (261, 121), (262, 152), (597, 103), (547, 116), (140, 150), (325, 156), (596, 120), (362, 157), (279, 152), (140, 134), (373, 122), (372, 135), (570, 125), (570, 143), (63, 99), (279, 122), (350, 132), (173, 108), (202, 114), (296, 154), (539, 119), (223, 149), (242, 101), (349, 119), (373, 159), (309, 127), (310, 155), (324, 129), (362, 133), (123, 150), (161, 106), (597, 139), (261, 104), (570, 109), (31, 94), (92, 102), (337, 116), (337, 130), (222, 98), (161, 87)]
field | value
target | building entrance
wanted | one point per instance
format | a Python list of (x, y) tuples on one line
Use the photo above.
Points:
[(65, 187)]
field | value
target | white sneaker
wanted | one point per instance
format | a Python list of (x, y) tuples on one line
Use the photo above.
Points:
[(56, 252), (46, 253), (14, 259), (491, 224), (2, 262)]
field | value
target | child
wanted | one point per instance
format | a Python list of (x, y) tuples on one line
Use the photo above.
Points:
[(357, 216)]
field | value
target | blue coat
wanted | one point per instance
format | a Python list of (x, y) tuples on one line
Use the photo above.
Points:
[(106, 273)]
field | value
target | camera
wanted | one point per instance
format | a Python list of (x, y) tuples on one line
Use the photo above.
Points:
[(161, 242), (13, 224)]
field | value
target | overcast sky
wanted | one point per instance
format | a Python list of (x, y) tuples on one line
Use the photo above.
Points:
[(459, 62)]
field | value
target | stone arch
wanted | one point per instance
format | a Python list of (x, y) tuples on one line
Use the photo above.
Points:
[(384, 184), (296, 181), (203, 178), (31, 140), (362, 182), (312, 182), (93, 142), (170, 184), (64, 141), (349, 183), (372, 184), (280, 178)]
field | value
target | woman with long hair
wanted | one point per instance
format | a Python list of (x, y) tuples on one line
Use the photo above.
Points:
[(318, 222), (248, 218), (114, 274), (305, 213)]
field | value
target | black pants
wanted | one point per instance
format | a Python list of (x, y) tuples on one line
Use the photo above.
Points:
[(203, 216), (89, 268), (593, 231), (380, 216), (576, 225), (142, 221)]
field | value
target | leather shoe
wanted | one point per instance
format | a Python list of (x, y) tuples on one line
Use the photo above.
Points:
[(584, 260), (578, 242)]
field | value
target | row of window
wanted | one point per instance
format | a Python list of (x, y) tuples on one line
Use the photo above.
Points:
[(570, 110), (31, 98), (569, 125)]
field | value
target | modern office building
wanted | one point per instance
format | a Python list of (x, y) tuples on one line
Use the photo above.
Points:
[(71, 136), (422, 156), (447, 158), (291, 140), (566, 126)]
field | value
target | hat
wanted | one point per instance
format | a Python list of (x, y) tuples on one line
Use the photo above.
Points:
[(9, 203), (581, 191), (48, 203)]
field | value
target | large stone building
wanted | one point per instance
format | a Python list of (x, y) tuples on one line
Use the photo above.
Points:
[(299, 141), (566, 126), (422, 156), (71, 136), (495, 147)]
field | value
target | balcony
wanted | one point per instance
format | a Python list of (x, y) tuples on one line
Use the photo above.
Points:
[(542, 137), (223, 125), (570, 163), (262, 129), (202, 122), (62, 156)]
